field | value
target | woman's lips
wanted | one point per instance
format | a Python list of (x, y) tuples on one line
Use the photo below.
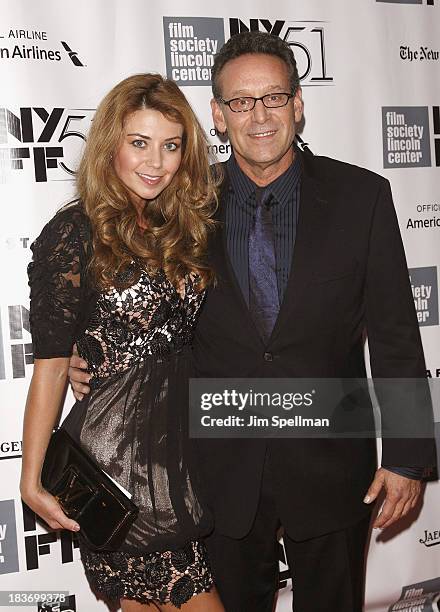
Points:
[(149, 179)]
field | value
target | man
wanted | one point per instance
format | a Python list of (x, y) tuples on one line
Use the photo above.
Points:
[(326, 238)]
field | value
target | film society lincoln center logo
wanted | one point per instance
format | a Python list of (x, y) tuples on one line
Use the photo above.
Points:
[(424, 288), (190, 46), (406, 136)]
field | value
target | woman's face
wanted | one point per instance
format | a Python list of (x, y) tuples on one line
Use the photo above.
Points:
[(148, 155)]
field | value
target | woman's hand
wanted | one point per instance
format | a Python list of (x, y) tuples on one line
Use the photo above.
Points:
[(46, 506), (78, 376)]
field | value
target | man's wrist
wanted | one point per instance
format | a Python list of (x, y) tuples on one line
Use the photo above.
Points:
[(415, 473)]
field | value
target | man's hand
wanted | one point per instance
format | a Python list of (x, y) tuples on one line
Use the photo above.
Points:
[(78, 376), (401, 495)]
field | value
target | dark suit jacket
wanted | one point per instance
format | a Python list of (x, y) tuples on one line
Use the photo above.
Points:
[(348, 275)]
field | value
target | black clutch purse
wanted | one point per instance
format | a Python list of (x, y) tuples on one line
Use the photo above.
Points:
[(86, 493)]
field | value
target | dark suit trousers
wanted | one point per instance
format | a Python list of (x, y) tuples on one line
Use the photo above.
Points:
[(327, 572)]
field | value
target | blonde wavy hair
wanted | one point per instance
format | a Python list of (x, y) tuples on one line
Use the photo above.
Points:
[(178, 221)]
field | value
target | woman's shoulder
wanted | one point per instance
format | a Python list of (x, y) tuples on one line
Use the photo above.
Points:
[(70, 220), (68, 231), (72, 213)]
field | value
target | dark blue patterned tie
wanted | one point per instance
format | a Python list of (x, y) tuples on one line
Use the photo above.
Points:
[(263, 288)]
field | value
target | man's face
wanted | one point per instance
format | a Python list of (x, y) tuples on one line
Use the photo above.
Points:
[(261, 138)]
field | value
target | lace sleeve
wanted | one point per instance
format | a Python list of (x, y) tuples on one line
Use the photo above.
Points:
[(192, 301), (56, 288)]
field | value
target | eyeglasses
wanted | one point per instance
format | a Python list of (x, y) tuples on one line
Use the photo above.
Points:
[(247, 103)]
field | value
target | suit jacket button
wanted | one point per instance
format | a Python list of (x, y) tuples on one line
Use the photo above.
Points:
[(268, 356)]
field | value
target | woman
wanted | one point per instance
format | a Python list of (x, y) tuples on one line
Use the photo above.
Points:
[(121, 273)]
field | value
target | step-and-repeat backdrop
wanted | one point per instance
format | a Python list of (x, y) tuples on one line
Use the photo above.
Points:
[(370, 76)]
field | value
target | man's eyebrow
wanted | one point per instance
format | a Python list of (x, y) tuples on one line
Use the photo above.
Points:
[(245, 92), (149, 137)]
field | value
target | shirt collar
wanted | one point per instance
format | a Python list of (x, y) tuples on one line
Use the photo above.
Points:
[(239, 182), (281, 188)]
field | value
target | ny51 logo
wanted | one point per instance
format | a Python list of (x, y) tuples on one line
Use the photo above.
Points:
[(37, 140), (307, 39)]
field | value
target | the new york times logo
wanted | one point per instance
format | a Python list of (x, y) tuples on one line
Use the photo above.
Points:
[(407, 136), (420, 54), (44, 142), (424, 288)]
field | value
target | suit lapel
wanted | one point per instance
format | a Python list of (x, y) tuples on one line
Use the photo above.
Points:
[(223, 265), (312, 224)]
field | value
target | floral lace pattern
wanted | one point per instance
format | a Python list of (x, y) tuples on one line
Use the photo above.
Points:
[(168, 577), (149, 318)]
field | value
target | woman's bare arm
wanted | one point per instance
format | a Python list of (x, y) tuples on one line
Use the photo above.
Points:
[(46, 393)]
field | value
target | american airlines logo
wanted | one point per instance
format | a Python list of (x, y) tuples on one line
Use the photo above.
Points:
[(72, 54), (18, 44)]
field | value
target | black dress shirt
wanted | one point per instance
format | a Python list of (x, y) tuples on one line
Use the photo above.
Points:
[(240, 213)]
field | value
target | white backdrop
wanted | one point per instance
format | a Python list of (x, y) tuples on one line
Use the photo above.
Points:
[(371, 89)]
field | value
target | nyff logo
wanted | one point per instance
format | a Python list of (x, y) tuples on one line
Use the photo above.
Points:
[(52, 139), (39, 545)]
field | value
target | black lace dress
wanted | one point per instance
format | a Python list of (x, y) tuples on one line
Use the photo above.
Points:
[(134, 421)]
